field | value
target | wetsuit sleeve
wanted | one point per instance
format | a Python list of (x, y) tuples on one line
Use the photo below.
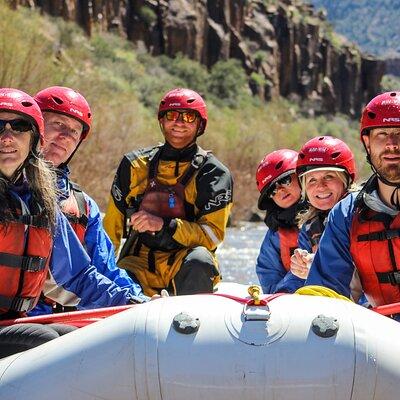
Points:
[(271, 273), (115, 214), (333, 266), (71, 271), (101, 251), (214, 187)]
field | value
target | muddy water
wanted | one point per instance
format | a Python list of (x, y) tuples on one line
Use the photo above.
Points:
[(237, 255)]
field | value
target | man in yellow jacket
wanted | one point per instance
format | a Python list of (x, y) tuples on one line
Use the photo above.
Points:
[(172, 203)]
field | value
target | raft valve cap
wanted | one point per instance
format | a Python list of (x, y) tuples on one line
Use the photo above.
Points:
[(185, 323), (325, 326)]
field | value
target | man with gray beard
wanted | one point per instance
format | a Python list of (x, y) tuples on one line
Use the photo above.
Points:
[(362, 235)]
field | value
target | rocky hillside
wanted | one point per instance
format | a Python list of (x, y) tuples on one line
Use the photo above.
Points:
[(369, 23), (285, 46)]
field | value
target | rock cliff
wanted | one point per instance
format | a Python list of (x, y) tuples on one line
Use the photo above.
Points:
[(286, 47)]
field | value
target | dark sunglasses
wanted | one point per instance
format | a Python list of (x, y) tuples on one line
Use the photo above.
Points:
[(17, 125), (187, 116), (285, 181)]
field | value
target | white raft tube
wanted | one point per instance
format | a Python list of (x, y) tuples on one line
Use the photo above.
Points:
[(237, 353)]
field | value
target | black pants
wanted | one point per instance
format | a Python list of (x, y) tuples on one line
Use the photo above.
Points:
[(21, 337), (196, 273)]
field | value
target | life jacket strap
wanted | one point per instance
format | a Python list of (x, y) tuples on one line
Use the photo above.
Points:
[(382, 235), (38, 221), (389, 277), (26, 263), (21, 304), (197, 161), (83, 208)]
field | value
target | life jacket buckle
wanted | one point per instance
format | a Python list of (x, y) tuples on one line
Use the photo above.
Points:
[(33, 263), (22, 304)]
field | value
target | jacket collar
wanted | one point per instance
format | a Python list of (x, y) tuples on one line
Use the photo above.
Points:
[(169, 153)]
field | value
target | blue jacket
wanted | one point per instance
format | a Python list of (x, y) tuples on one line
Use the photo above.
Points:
[(304, 240), (333, 266), (99, 249), (271, 273), (97, 243)]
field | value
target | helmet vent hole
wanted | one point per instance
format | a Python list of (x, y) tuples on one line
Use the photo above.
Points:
[(162, 102), (190, 101), (371, 115), (321, 138), (89, 115), (279, 165), (57, 100), (26, 103), (393, 94), (302, 156), (335, 155)]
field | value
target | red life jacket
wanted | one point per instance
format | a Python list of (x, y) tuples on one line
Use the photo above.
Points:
[(76, 210), (375, 248), (25, 248), (288, 239), (168, 201)]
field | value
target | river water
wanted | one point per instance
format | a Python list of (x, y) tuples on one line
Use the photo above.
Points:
[(238, 253)]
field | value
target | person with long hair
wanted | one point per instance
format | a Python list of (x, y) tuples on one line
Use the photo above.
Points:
[(280, 194), (327, 170), (37, 245)]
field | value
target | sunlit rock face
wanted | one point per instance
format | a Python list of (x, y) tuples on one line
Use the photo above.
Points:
[(285, 43)]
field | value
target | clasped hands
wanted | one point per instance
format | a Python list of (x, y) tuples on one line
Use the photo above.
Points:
[(142, 221)]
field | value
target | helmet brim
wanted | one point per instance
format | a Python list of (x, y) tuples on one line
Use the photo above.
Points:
[(265, 192)]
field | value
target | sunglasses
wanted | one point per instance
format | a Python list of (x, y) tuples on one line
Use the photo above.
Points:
[(17, 125), (285, 181), (187, 116)]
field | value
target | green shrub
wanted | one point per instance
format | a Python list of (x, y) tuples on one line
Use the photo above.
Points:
[(227, 82), (102, 49), (147, 15), (193, 74), (390, 82)]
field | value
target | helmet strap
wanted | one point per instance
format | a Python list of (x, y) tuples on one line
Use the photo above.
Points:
[(394, 198), (65, 163)]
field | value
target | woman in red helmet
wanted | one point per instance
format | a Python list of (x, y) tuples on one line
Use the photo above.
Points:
[(279, 195), (172, 202), (362, 234), (35, 238), (326, 169)]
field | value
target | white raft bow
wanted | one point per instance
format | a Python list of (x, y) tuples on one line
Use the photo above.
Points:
[(217, 348)]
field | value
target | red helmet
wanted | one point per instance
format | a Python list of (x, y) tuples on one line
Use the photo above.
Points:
[(66, 101), (382, 110), (273, 167), (17, 101), (326, 152), (184, 99)]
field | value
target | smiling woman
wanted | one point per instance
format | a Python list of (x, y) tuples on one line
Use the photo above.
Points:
[(326, 169)]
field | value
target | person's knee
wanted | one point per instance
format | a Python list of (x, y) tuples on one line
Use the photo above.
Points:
[(197, 273), (200, 259)]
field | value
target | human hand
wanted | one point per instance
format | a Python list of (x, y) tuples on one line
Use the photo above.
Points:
[(300, 263), (142, 221), (164, 293)]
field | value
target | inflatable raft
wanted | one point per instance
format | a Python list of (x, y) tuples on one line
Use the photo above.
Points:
[(218, 347)]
